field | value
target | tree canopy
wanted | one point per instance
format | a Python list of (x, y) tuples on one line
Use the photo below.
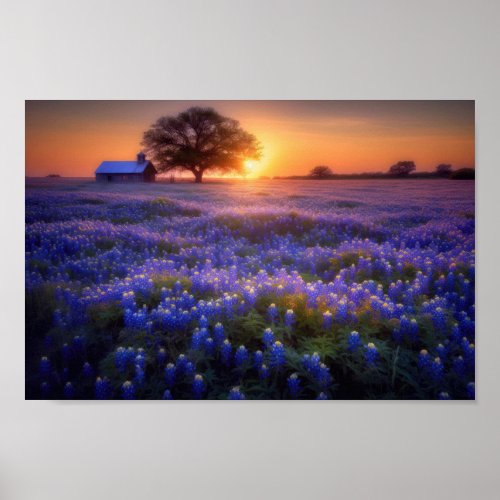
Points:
[(199, 140), (443, 169), (321, 171), (402, 168)]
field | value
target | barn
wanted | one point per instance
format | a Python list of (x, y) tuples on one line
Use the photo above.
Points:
[(141, 170)]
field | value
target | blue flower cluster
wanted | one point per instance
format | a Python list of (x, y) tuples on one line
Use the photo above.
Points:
[(179, 293)]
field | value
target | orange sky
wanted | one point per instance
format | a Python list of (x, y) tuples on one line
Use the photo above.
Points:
[(72, 138)]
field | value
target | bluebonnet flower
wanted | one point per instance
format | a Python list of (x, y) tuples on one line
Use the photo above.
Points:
[(161, 356), (263, 372), (203, 322), (311, 363), (397, 335), (277, 355), (289, 318), (353, 341), (438, 319), (44, 367), (170, 372), (66, 353), (469, 353), (442, 351), (258, 359), (128, 300), (177, 288), (128, 390), (69, 391), (322, 397), (87, 370), (198, 386), (226, 351), (323, 376), (77, 345), (241, 355), (327, 320), (443, 395), (102, 388), (44, 390), (319, 371), (268, 337), (341, 314), (121, 359), (139, 376), (413, 330), (48, 342), (167, 395), (471, 390), (189, 369), (209, 346), (293, 382), (272, 312), (198, 338), (466, 325), (58, 319), (424, 359), (371, 353), (456, 334), (218, 334), (459, 366), (236, 394), (437, 369), (140, 359), (181, 364)]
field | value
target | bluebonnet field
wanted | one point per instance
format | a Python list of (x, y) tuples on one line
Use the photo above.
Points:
[(250, 290)]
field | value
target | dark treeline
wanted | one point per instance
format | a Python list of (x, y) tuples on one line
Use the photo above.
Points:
[(459, 174)]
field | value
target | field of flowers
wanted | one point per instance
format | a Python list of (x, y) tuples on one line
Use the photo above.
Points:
[(250, 290)]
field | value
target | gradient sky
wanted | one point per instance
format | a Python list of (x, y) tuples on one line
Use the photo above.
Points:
[(72, 138)]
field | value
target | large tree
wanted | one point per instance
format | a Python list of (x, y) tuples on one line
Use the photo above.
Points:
[(321, 171), (402, 168), (200, 140)]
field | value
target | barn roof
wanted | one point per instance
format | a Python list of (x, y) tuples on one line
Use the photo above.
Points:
[(122, 167)]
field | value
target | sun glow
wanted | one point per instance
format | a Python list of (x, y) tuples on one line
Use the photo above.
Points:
[(249, 165)]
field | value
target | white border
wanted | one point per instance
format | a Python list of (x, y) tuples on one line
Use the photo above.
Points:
[(386, 49)]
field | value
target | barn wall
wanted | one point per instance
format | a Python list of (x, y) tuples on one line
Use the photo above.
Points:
[(125, 178)]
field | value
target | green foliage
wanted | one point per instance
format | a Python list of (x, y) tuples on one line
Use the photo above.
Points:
[(168, 247), (309, 278), (106, 316), (409, 271), (40, 304), (105, 243), (247, 330), (40, 266), (346, 259)]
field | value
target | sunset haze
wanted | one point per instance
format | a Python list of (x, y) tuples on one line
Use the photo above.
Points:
[(71, 138)]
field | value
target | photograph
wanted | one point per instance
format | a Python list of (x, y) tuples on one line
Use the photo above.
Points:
[(250, 250)]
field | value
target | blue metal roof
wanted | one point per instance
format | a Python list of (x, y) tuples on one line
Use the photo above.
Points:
[(122, 167)]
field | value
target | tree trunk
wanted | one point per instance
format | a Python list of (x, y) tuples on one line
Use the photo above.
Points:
[(198, 176)]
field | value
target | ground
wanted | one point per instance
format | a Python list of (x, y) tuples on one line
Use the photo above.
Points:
[(250, 289)]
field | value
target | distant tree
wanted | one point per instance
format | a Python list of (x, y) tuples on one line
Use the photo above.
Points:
[(200, 140), (463, 174), (321, 171), (443, 169), (402, 168)]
